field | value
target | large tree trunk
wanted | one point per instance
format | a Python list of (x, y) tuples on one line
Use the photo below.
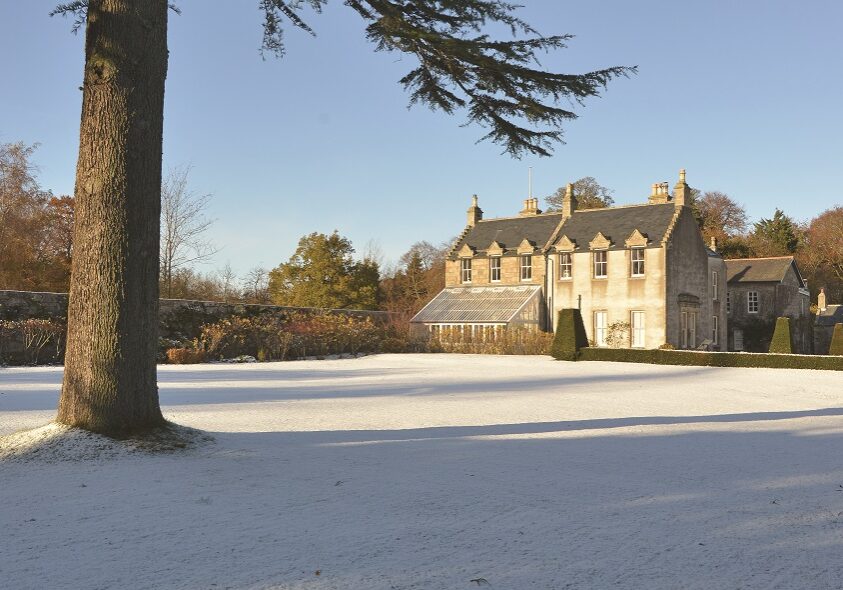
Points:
[(110, 374)]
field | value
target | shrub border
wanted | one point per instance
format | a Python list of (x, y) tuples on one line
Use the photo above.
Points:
[(712, 359)]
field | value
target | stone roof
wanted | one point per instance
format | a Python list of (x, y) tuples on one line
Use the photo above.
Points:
[(476, 304), (509, 232), (618, 223), (615, 223), (759, 270), (833, 314)]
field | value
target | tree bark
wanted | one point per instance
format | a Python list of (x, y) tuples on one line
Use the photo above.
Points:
[(110, 363)]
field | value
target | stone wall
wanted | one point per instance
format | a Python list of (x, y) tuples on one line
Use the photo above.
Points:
[(179, 318)]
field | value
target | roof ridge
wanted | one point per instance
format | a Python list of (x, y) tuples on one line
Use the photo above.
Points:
[(621, 207), (791, 257), (548, 214)]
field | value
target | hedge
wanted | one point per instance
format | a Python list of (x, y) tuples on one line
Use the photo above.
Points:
[(712, 359), (782, 343), (836, 347), (570, 335)]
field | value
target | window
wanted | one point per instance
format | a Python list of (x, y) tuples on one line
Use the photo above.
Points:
[(601, 264), (495, 269), (465, 270), (714, 285), (715, 329), (565, 265), (526, 268), (688, 328), (752, 301), (637, 322), (728, 302), (637, 262), (601, 325)]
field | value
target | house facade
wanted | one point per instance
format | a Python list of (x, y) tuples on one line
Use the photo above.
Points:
[(761, 290), (641, 275)]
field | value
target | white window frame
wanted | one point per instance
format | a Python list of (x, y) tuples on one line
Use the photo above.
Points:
[(636, 267), (753, 304), (714, 285), (601, 259), (495, 269), (637, 322), (527, 267), (566, 262), (601, 328), (465, 270), (715, 329)]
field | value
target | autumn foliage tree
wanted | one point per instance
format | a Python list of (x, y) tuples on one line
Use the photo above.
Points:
[(590, 195), (35, 226)]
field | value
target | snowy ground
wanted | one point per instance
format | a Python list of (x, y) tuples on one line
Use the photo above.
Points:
[(442, 472)]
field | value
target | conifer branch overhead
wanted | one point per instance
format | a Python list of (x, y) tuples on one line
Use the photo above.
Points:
[(500, 84)]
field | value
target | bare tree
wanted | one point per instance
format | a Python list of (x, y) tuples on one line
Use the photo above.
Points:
[(183, 226), (228, 279), (256, 285)]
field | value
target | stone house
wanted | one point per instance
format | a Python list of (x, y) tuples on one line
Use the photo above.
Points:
[(761, 290), (827, 316), (641, 275)]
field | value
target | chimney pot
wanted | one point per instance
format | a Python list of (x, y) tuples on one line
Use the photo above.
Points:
[(821, 300)]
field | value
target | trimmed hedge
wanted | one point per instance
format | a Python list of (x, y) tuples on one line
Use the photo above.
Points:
[(836, 347), (570, 335), (712, 359), (782, 342)]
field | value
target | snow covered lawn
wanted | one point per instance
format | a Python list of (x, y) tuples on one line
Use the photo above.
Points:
[(442, 472)]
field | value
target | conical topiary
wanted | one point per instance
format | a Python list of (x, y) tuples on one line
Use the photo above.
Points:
[(570, 335), (836, 340), (782, 343)]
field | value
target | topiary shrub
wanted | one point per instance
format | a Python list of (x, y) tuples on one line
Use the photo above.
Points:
[(836, 346), (782, 342), (570, 335)]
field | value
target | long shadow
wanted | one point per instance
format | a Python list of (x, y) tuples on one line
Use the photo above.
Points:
[(491, 430), (179, 388)]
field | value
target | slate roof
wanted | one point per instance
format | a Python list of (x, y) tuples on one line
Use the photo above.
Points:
[(617, 223), (758, 270), (509, 232), (833, 314), (476, 304)]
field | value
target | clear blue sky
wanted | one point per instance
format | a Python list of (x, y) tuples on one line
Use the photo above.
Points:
[(745, 95)]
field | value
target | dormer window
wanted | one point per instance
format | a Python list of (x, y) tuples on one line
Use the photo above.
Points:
[(566, 265), (637, 262), (465, 270), (527, 268), (601, 264)]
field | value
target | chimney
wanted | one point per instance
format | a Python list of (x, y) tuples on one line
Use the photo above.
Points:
[(821, 303), (682, 192), (659, 195), (531, 207), (569, 201), (475, 213), (713, 244)]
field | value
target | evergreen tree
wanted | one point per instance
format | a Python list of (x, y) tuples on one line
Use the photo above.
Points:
[(776, 236), (322, 273), (110, 372)]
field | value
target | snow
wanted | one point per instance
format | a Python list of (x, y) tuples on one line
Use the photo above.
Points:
[(436, 472)]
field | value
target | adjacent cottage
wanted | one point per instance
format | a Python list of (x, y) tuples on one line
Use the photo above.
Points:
[(761, 290), (641, 275)]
